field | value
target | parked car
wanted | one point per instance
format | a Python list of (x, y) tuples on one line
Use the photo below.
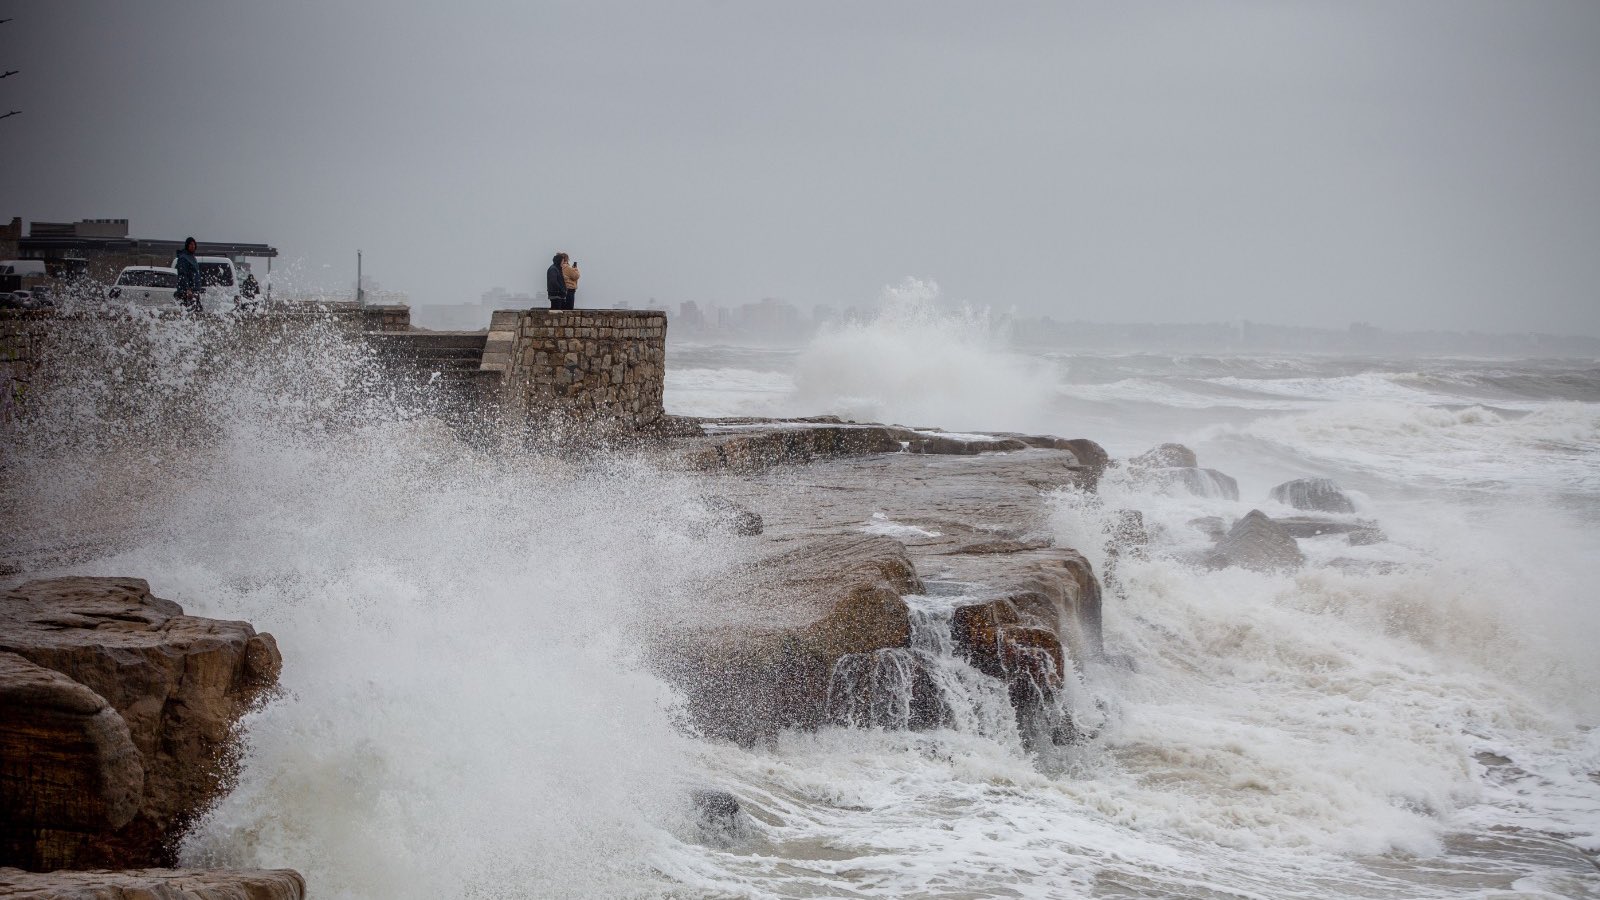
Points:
[(219, 284), (34, 299), (145, 286)]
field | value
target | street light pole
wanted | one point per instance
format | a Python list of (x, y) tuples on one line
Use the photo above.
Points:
[(361, 295)]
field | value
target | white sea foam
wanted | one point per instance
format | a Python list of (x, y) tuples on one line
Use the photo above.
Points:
[(917, 365), (887, 527), (1554, 447)]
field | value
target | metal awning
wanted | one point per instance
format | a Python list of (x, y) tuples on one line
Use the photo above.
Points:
[(55, 246)]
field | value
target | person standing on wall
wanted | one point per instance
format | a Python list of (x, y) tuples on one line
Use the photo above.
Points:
[(569, 273), (555, 283), (188, 293)]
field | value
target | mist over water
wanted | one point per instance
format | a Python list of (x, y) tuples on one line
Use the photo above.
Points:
[(466, 708)]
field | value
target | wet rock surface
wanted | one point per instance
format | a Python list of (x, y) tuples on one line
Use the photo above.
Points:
[(1197, 481), (720, 820), (1166, 456), (851, 535), (154, 884), (177, 683), (788, 618), (1257, 542), (1315, 494), (1357, 533), (66, 759), (719, 514)]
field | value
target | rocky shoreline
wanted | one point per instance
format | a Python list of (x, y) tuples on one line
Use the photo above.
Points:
[(119, 711)]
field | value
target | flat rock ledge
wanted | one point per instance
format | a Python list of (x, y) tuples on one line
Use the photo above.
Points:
[(154, 884), (117, 716), (746, 445)]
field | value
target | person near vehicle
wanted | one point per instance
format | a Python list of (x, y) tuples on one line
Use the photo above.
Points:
[(569, 273), (188, 293), (249, 290), (555, 282)]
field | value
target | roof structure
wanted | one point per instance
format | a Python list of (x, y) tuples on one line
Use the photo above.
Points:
[(42, 246)]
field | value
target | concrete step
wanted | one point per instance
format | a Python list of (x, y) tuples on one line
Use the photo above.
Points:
[(432, 352), (429, 340)]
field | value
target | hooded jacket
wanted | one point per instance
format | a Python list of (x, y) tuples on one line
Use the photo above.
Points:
[(555, 283), (188, 270)]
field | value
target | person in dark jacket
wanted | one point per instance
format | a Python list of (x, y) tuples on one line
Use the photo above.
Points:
[(188, 293), (555, 283)]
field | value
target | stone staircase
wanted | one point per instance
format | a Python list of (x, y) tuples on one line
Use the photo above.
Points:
[(444, 367)]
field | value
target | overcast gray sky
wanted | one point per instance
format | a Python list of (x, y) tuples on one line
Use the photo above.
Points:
[(1411, 164)]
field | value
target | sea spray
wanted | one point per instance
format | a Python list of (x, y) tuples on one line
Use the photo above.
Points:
[(464, 709), (919, 365)]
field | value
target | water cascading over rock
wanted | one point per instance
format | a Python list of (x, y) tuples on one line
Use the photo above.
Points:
[(1314, 494)]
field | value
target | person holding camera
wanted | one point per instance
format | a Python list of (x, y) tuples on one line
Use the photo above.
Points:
[(569, 274)]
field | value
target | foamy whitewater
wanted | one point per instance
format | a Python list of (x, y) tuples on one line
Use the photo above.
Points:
[(466, 712)]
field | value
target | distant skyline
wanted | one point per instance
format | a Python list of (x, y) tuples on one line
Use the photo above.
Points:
[(1427, 165)]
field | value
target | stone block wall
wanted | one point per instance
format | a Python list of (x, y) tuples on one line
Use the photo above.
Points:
[(600, 367), (22, 337), (386, 318)]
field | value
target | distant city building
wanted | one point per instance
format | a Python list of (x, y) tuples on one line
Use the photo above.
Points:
[(473, 316), (690, 316)]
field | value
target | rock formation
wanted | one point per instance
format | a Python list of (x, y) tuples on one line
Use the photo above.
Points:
[(1356, 533), (66, 758), (1256, 542), (1316, 494), (1174, 467), (125, 707), (712, 512), (756, 450), (794, 614), (154, 884), (1196, 481), (1166, 456)]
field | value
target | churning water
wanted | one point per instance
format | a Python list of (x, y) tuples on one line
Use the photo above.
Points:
[(466, 710)]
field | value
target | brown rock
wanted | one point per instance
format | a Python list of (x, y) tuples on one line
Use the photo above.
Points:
[(1166, 456), (1059, 592), (66, 760), (1030, 636), (1000, 546), (154, 884), (1091, 456), (805, 609), (1033, 659), (917, 442), (1257, 542), (179, 683), (751, 452), (976, 629)]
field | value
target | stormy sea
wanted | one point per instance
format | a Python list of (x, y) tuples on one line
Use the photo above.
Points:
[(467, 708)]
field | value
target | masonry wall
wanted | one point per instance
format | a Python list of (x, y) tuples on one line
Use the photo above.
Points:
[(603, 367), (26, 336), (22, 338)]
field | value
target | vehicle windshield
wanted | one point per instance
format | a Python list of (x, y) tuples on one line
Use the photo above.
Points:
[(216, 275), (149, 278)]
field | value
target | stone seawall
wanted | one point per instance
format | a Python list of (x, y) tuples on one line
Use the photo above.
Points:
[(22, 338), (597, 367), (28, 338)]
